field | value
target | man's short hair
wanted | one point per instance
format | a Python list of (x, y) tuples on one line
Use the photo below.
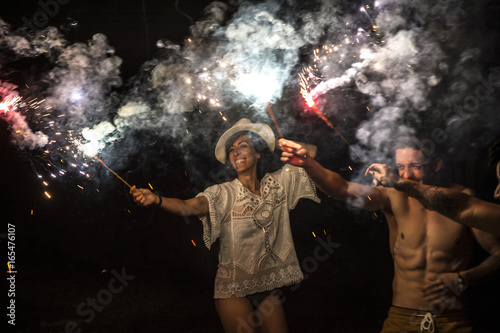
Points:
[(414, 142), (407, 142)]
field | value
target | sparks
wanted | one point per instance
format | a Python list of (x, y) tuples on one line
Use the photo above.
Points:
[(306, 94), (9, 105)]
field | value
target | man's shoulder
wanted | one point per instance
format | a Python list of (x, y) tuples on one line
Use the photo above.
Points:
[(463, 189), (396, 199)]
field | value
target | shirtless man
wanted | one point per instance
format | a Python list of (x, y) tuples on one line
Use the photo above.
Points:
[(456, 205), (431, 252)]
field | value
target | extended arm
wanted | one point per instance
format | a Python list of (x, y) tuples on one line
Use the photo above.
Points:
[(331, 183), (194, 206), (453, 204)]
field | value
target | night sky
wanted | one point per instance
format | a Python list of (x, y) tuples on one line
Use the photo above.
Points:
[(76, 226)]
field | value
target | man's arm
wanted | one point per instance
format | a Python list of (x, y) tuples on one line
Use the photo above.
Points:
[(452, 284), (489, 268), (454, 204), (366, 197), (483, 272)]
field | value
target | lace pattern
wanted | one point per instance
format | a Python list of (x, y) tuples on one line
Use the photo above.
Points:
[(246, 284), (256, 246)]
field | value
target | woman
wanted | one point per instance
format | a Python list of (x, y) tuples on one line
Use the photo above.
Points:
[(249, 216)]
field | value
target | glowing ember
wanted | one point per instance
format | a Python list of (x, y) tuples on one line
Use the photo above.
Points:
[(310, 102), (308, 98)]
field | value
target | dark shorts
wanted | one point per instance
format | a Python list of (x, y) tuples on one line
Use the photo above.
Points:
[(411, 320), (257, 298)]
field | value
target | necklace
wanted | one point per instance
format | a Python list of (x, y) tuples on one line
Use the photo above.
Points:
[(253, 190)]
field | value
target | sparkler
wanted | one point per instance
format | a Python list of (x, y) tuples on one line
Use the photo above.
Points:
[(271, 114), (294, 159), (114, 173), (310, 102)]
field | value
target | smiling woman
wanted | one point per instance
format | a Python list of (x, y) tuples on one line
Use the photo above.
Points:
[(249, 215), (246, 149), (242, 154)]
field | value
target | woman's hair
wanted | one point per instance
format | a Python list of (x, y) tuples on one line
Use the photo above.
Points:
[(264, 164)]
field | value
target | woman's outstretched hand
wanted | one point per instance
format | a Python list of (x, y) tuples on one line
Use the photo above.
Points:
[(144, 197)]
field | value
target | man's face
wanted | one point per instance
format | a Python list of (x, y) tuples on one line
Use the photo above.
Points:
[(496, 194), (411, 165)]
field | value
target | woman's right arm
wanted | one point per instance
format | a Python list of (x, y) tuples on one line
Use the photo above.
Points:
[(365, 197), (194, 206)]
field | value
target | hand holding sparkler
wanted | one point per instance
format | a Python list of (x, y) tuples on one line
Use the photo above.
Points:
[(281, 141), (145, 198), (296, 153)]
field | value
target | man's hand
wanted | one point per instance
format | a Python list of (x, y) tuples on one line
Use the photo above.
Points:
[(143, 197), (443, 288), (382, 175), (292, 152)]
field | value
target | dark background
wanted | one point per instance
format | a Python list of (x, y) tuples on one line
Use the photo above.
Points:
[(67, 247)]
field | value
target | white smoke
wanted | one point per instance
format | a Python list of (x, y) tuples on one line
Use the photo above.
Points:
[(416, 64)]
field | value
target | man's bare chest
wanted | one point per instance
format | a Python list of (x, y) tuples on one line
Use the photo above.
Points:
[(418, 229)]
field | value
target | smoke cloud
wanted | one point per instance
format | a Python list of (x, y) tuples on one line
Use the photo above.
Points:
[(424, 68)]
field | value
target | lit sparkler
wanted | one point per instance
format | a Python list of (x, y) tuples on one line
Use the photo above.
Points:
[(8, 105), (114, 173), (91, 149), (310, 102)]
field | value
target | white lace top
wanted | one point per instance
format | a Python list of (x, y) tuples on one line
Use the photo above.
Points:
[(256, 246)]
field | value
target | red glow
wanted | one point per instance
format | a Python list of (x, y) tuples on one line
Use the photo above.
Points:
[(308, 98), (8, 105)]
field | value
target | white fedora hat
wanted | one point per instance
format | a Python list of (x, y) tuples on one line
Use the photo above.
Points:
[(244, 124)]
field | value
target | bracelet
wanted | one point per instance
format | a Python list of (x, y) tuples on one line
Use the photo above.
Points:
[(161, 200), (461, 282)]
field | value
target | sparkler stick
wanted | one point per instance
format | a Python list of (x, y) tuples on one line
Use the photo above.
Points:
[(98, 159), (294, 159), (270, 111), (310, 102)]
